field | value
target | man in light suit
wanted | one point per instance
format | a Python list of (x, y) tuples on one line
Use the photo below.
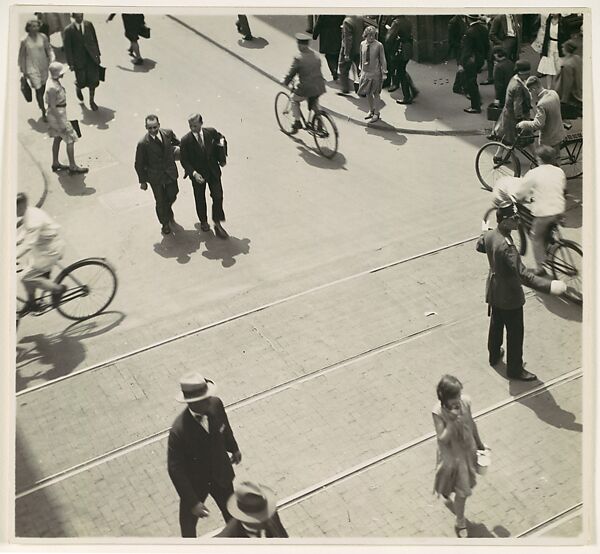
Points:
[(155, 164), (201, 157), (504, 291), (198, 461), (83, 56)]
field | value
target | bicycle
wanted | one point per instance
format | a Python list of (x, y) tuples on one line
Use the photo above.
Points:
[(321, 125), (496, 159), (91, 286), (564, 257)]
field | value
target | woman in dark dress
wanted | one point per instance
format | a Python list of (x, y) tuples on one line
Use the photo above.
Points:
[(135, 26)]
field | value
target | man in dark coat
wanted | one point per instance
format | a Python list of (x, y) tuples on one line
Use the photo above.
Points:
[(201, 157), (155, 164), (457, 26), (400, 40), (474, 53), (83, 56), (504, 69), (254, 511), (328, 29), (198, 461), (352, 29), (504, 292), (505, 32)]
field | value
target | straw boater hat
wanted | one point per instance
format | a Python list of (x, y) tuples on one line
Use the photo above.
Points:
[(56, 69), (194, 387), (252, 503)]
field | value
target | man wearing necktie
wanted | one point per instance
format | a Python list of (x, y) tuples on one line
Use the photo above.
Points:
[(198, 455), (155, 164), (83, 56), (201, 161)]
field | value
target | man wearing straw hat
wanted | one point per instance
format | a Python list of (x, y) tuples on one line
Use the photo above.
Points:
[(200, 441), (254, 511)]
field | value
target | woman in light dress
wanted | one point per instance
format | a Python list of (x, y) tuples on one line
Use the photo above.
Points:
[(59, 127), (551, 53), (373, 69), (35, 55)]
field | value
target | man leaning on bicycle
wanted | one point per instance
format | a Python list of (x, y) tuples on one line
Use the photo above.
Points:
[(306, 65), (40, 246)]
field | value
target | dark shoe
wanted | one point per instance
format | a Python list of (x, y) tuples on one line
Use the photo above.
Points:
[(93, 105), (393, 88), (296, 126), (369, 115), (343, 93), (77, 170), (59, 167), (409, 101), (138, 61), (471, 110), (204, 226), (488, 82), (165, 230), (31, 306), (248, 37), (497, 359), (491, 136), (219, 231), (79, 94), (500, 161), (56, 296), (523, 376), (356, 87)]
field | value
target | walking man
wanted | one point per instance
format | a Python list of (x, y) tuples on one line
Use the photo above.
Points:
[(473, 55), (202, 154), (254, 511), (401, 34), (352, 30), (198, 461), (155, 164), (83, 56), (504, 292)]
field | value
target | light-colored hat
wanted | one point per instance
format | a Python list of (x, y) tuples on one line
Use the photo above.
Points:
[(252, 503), (194, 387), (56, 69)]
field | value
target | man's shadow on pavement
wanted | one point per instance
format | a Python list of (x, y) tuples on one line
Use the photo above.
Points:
[(225, 249), (179, 244), (63, 352), (255, 43), (387, 132), (38, 125), (148, 65), (98, 118), (480, 530), (561, 307), (74, 185)]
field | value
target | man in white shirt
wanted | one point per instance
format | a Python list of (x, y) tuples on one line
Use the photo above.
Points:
[(40, 245), (545, 185)]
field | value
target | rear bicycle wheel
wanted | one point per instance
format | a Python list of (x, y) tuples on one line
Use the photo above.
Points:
[(565, 259), (325, 134), (91, 286), (493, 161), (571, 161), (283, 112), (519, 237)]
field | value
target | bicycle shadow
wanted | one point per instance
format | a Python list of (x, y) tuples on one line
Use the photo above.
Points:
[(179, 244), (312, 157), (63, 352), (225, 250), (74, 185)]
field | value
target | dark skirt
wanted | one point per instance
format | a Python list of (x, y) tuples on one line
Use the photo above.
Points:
[(133, 23)]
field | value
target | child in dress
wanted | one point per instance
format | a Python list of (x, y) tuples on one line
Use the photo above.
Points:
[(373, 69), (458, 441)]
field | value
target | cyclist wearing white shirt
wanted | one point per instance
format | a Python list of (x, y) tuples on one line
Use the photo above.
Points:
[(40, 245)]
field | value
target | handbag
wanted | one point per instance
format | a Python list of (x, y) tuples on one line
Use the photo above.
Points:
[(101, 73), (145, 32), (26, 89), (493, 112), (75, 125)]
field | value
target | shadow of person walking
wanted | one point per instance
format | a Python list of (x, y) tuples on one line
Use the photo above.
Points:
[(179, 244), (225, 250)]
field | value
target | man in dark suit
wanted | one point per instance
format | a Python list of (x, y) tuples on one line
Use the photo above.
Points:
[(197, 457), (201, 159), (83, 56), (400, 40), (254, 511), (457, 27), (328, 29), (505, 31), (504, 291), (474, 53), (155, 164), (352, 29)]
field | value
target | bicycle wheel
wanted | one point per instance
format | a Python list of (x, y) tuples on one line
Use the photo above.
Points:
[(565, 259), (283, 112), (91, 286), (519, 237), (489, 171), (571, 161), (325, 134)]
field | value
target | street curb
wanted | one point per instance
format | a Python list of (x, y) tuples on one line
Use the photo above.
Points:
[(387, 128), (44, 194)]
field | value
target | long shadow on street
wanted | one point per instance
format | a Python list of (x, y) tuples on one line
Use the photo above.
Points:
[(179, 244), (148, 65), (74, 185), (225, 250), (99, 118)]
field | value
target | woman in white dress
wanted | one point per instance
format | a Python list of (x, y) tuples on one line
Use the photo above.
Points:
[(554, 36), (35, 55)]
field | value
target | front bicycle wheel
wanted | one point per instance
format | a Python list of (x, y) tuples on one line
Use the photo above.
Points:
[(91, 286), (565, 259), (283, 112), (519, 237), (325, 134), (493, 161)]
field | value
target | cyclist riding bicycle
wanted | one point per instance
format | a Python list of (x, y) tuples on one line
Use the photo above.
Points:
[(307, 66), (40, 245)]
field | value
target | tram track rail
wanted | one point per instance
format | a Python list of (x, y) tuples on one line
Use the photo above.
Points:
[(554, 521)]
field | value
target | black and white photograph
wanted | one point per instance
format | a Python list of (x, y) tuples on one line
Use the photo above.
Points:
[(299, 275)]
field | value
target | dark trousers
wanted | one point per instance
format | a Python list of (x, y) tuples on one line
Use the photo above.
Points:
[(406, 82), (216, 193), (243, 26), (344, 67), (164, 195), (513, 321), (332, 63), (188, 521), (459, 80), (470, 85)]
